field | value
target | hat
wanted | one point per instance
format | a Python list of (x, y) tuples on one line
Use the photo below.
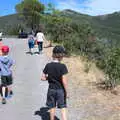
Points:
[(58, 49), (5, 49)]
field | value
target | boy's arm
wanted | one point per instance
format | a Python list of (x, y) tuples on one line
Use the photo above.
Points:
[(64, 81), (44, 77), (10, 63), (45, 73)]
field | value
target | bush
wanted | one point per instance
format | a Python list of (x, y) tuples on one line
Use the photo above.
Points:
[(80, 39), (14, 30), (112, 67)]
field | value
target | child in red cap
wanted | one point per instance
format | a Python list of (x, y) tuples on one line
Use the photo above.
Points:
[(6, 74)]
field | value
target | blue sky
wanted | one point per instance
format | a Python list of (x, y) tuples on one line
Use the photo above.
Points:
[(91, 7)]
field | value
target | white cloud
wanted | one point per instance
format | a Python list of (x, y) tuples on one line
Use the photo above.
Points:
[(92, 7), (103, 6), (67, 4)]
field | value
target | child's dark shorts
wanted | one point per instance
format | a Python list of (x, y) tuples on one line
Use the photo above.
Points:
[(6, 80), (56, 97)]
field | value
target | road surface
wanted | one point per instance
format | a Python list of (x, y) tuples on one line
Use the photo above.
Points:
[(28, 101), (29, 92)]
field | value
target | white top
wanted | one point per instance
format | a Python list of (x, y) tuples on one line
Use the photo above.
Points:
[(40, 37)]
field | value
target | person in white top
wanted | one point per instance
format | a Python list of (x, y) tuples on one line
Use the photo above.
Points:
[(40, 38)]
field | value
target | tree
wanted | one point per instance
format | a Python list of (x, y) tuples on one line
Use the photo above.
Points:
[(51, 10), (30, 10)]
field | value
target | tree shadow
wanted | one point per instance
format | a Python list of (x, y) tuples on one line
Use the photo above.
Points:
[(44, 114)]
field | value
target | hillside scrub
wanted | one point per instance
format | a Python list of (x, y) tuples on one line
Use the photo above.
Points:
[(112, 67), (80, 39)]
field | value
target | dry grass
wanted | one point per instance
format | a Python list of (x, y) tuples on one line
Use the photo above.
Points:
[(98, 104)]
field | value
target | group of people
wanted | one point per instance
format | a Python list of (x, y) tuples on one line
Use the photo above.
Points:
[(36, 40), (55, 72), (5, 72)]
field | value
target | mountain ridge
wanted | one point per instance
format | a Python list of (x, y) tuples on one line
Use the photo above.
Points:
[(107, 25)]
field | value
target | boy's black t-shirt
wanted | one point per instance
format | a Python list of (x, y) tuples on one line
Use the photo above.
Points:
[(55, 71)]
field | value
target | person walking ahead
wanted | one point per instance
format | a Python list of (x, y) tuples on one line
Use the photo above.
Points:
[(6, 74), (40, 38), (55, 72), (31, 43)]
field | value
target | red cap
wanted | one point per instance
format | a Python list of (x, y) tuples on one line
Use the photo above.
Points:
[(5, 49)]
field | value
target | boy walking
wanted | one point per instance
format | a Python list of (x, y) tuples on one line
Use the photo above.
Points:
[(55, 72), (6, 74)]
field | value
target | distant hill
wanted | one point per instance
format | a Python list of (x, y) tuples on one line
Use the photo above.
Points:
[(6, 22), (107, 26), (77, 17)]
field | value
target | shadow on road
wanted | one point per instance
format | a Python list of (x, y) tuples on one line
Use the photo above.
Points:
[(31, 53), (36, 53), (44, 114)]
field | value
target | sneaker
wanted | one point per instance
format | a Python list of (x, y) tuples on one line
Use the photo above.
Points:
[(11, 92), (3, 101)]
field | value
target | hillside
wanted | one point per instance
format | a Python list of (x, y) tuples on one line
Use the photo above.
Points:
[(77, 17), (107, 26), (9, 21)]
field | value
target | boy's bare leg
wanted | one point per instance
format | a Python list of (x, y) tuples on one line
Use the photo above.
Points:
[(3, 92), (52, 114), (64, 113), (9, 89)]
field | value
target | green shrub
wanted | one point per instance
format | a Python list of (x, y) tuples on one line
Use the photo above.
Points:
[(14, 30), (87, 67), (80, 39), (112, 67)]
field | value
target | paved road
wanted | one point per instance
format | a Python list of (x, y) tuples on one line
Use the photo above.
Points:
[(28, 101), (29, 91)]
